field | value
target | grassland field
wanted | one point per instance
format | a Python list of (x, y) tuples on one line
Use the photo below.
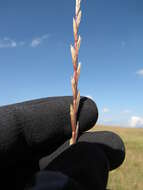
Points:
[(129, 176)]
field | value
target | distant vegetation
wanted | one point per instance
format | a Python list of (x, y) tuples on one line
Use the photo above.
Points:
[(130, 175)]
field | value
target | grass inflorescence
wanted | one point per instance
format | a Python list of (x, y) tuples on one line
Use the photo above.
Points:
[(74, 79)]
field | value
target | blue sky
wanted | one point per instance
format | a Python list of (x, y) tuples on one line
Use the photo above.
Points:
[(35, 60)]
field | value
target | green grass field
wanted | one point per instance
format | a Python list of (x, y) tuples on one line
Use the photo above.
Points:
[(129, 176)]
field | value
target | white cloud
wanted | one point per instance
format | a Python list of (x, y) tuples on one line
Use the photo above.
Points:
[(136, 121), (140, 72), (37, 41), (7, 43), (106, 110)]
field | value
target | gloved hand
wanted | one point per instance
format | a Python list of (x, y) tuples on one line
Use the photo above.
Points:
[(33, 129)]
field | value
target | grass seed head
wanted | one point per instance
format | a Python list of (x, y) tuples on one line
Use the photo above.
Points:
[(74, 79)]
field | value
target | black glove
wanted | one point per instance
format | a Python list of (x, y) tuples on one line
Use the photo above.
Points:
[(33, 129)]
